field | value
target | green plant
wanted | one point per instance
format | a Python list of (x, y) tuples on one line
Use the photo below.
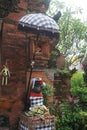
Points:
[(67, 117), (70, 116), (62, 72), (79, 89), (83, 115), (48, 90), (77, 79)]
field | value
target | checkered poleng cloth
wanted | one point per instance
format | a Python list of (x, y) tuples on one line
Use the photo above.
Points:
[(36, 101), (39, 126), (39, 21)]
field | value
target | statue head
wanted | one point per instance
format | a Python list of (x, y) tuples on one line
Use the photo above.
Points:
[(37, 85)]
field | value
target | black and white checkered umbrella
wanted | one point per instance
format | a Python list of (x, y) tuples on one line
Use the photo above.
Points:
[(39, 23)]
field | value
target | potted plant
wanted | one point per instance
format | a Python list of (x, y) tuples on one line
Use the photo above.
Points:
[(48, 92)]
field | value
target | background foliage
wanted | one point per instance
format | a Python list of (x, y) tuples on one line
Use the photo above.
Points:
[(73, 31)]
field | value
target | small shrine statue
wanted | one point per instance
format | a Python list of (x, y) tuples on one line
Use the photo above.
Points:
[(37, 108), (36, 97), (5, 73)]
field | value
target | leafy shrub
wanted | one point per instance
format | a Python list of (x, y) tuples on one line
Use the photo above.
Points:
[(83, 115), (78, 87), (67, 117), (77, 79)]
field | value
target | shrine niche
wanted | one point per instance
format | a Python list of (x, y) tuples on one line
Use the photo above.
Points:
[(42, 49)]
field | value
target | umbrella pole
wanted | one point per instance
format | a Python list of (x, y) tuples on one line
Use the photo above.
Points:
[(28, 85), (28, 89), (27, 104)]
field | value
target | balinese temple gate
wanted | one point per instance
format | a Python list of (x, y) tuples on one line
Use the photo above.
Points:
[(25, 51)]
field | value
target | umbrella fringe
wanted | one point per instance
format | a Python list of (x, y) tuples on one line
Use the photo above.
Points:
[(38, 32)]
